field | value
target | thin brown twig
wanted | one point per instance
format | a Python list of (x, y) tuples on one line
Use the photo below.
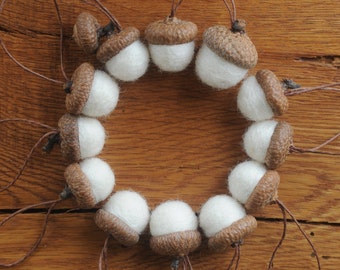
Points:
[(238, 249), (174, 8), (315, 150), (109, 15), (61, 41), (46, 135), (302, 231), (232, 260), (230, 12), (2, 44), (326, 87), (284, 216), (42, 233), (103, 254), (27, 121)]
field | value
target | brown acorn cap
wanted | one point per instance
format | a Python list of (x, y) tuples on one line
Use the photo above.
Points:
[(280, 143), (69, 135), (232, 234), (235, 47), (117, 42), (273, 91), (176, 244), (264, 193), (80, 186), (85, 32), (113, 225), (82, 80), (170, 31)]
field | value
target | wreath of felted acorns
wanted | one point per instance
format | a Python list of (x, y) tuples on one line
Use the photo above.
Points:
[(222, 62)]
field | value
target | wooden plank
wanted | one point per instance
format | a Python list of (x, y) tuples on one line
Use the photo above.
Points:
[(73, 241), (170, 136)]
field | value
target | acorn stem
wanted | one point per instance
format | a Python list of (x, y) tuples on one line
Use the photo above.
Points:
[(52, 140), (107, 30)]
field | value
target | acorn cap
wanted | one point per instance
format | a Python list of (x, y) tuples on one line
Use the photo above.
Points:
[(117, 42), (264, 193), (232, 234), (279, 145), (113, 225), (80, 186), (176, 244), (170, 31), (273, 91), (85, 32), (235, 47), (69, 134), (82, 80)]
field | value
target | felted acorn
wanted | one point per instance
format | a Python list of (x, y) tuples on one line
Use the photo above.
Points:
[(125, 216), (171, 43), (224, 222), (173, 228), (86, 32), (225, 56), (91, 181), (262, 97), (80, 137), (268, 142), (125, 57), (253, 185), (92, 92)]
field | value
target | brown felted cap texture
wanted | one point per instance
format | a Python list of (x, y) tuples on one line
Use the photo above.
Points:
[(264, 193), (273, 91), (170, 31), (280, 143), (69, 134), (117, 42), (82, 80), (113, 225), (235, 47), (80, 186), (85, 32), (232, 234), (176, 244)]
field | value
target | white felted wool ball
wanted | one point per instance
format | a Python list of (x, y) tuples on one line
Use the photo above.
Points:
[(130, 63), (172, 58), (91, 137), (171, 217), (103, 96), (252, 102), (219, 212), (243, 179), (257, 138), (100, 176), (131, 208), (216, 72)]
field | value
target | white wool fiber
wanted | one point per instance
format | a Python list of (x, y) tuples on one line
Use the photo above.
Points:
[(252, 102), (243, 179), (131, 208), (171, 217), (100, 176), (215, 71), (91, 137), (172, 58), (218, 213), (130, 63), (257, 138), (103, 97)]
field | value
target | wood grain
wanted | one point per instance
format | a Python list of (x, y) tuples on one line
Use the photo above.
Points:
[(171, 137)]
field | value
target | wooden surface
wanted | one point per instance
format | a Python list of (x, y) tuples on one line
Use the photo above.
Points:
[(172, 137)]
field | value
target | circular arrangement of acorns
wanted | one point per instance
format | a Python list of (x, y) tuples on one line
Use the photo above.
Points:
[(222, 61)]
